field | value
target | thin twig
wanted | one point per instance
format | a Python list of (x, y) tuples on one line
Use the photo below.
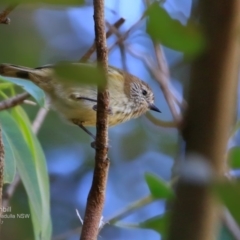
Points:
[(113, 219), (91, 50), (161, 73), (160, 123), (161, 60), (13, 101), (163, 80), (126, 34), (113, 29), (96, 195), (37, 123), (3, 15), (29, 102), (8, 193), (121, 45), (129, 209)]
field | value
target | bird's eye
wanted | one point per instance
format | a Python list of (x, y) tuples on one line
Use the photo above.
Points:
[(144, 92)]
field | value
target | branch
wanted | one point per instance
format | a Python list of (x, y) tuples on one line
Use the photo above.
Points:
[(91, 50), (96, 195), (113, 219), (3, 15), (30, 102), (121, 45), (39, 119), (14, 101), (126, 34), (160, 123), (129, 209), (161, 72), (208, 120), (163, 80), (165, 76), (8, 193)]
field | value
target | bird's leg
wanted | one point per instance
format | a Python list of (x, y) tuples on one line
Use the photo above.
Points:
[(78, 123), (87, 131)]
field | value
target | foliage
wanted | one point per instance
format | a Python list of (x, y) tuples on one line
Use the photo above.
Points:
[(158, 187), (80, 73), (171, 33), (31, 88), (159, 224), (24, 154)]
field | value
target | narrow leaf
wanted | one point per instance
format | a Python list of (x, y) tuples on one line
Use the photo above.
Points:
[(24, 158), (73, 73), (172, 33), (30, 87), (40, 208), (159, 224), (158, 187)]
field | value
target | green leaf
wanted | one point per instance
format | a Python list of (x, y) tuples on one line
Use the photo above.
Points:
[(33, 172), (14, 147), (5, 85), (158, 187), (171, 33), (229, 194), (30, 87), (55, 2), (234, 157), (158, 223), (80, 73)]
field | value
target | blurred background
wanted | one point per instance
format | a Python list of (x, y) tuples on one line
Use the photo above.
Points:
[(44, 34)]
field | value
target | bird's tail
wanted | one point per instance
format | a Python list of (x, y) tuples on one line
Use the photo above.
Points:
[(40, 76)]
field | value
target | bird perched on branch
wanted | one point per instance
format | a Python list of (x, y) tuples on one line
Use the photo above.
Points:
[(129, 96)]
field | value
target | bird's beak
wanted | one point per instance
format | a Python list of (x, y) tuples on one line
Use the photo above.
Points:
[(154, 108)]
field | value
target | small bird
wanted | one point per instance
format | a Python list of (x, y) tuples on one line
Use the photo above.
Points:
[(129, 96)]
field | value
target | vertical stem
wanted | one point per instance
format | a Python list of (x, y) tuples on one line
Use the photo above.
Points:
[(96, 197), (208, 120)]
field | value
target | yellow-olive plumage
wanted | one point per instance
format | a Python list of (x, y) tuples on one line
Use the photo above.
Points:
[(129, 96)]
